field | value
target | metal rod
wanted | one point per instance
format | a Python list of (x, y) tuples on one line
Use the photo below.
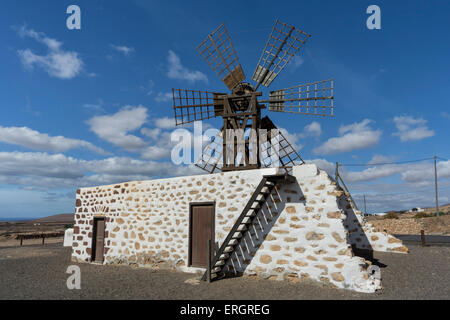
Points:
[(21, 240), (337, 173), (208, 256), (365, 208), (436, 187)]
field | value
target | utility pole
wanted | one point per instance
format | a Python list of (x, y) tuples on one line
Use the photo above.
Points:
[(337, 173), (435, 187), (365, 209)]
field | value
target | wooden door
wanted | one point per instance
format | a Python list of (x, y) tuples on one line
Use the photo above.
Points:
[(202, 229), (98, 239)]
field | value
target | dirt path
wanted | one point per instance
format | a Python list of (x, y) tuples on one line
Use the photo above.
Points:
[(39, 272)]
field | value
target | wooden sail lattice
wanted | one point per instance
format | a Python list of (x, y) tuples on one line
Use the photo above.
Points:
[(282, 45), (218, 51), (314, 98), (195, 105)]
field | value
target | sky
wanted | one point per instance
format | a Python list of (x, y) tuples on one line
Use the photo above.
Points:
[(93, 106)]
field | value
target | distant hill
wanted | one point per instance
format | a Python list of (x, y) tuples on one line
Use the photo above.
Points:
[(57, 218)]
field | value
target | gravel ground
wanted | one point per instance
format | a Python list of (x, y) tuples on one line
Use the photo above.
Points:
[(39, 272)]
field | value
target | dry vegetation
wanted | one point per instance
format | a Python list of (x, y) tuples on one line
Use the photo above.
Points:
[(51, 226)]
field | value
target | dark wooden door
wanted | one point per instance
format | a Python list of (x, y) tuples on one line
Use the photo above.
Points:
[(98, 240), (202, 229)]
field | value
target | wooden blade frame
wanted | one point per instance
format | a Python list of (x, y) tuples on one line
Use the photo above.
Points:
[(279, 147), (218, 51), (211, 158), (194, 105), (314, 98), (283, 43), (276, 147)]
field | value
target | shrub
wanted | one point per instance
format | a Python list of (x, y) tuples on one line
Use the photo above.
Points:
[(421, 215), (390, 215), (68, 226)]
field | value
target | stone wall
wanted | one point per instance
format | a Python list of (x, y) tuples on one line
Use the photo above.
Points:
[(306, 229), (399, 226), (431, 225)]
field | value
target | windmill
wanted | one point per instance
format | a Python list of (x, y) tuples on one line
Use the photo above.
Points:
[(241, 109)]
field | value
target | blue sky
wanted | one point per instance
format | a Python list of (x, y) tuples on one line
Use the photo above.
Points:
[(88, 107)]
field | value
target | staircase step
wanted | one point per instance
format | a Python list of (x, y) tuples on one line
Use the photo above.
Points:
[(219, 263), (224, 256), (228, 249), (233, 242), (237, 235), (246, 220), (242, 227), (216, 269)]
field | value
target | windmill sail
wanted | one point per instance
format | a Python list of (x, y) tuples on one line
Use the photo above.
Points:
[(314, 98), (276, 150), (218, 51), (194, 105), (211, 158), (284, 42)]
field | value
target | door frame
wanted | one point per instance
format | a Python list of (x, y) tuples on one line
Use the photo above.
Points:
[(94, 239), (194, 204)]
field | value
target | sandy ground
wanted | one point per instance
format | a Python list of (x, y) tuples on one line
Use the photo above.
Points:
[(39, 272)]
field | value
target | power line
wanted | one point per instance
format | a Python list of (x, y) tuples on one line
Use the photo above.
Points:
[(386, 163), (361, 194)]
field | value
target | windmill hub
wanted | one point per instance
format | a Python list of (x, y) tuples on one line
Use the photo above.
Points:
[(241, 109), (243, 88)]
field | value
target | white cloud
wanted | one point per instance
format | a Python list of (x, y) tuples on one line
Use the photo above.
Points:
[(296, 62), (292, 138), (151, 133), (372, 173), (35, 140), (43, 170), (57, 62), (378, 158), (352, 137), (411, 173), (410, 129), (177, 71), (165, 123), (148, 88), (123, 49), (156, 152), (313, 129), (324, 164), (115, 128), (163, 97)]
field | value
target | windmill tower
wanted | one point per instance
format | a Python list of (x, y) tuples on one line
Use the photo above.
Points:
[(241, 110)]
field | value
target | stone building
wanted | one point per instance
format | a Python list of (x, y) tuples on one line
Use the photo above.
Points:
[(305, 227)]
